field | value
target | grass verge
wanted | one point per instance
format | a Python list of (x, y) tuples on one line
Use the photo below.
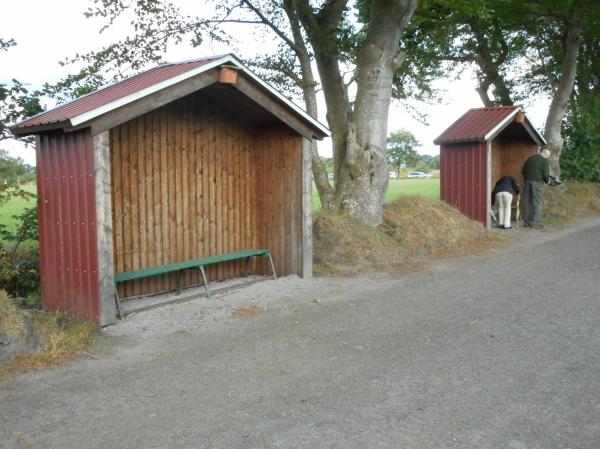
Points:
[(571, 201), (413, 226), (16, 206), (41, 338), (429, 188)]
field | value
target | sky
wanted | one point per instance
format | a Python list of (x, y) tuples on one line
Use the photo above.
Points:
[(52, 31)]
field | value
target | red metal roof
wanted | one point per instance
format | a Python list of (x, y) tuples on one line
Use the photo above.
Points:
[(475, 124), (113, 92)]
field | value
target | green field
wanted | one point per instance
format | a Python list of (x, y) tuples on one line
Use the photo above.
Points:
[(15, 206), (397, 187), (426, 187)]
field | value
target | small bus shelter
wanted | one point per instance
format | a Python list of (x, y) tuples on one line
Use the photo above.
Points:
[(185, 161), (479, 148)]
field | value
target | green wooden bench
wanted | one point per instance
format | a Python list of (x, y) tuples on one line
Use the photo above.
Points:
[(195, 263)]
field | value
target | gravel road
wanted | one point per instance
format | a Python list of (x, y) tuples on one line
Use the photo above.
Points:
[(500, 350)]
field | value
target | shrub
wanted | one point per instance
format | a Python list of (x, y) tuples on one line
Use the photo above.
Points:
[(19, 257)]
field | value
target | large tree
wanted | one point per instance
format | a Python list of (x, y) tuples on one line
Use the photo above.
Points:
[(581, 156), (557, 36), (366, 53), (537, 42), (401, 147)]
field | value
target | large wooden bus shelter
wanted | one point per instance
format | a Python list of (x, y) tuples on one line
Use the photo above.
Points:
[(183, 161), (479, 148)]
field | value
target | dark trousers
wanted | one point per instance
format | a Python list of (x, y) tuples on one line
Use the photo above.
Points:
[(533, 201)]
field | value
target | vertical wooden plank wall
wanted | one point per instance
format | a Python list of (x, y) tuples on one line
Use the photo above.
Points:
[(183, 187), (278, 153), (508, 156)]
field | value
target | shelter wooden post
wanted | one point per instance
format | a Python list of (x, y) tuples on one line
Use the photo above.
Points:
[(104, 228), (307, 245), (488, 174)]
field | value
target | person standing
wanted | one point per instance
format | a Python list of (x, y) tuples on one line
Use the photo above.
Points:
[(536, 171), (503, 192)]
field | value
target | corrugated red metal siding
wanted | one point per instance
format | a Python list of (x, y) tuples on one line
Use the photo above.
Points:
[(67, 219), (463, 178)]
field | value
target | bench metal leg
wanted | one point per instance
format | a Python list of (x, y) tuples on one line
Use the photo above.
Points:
[(205, 282), (247, 269), (272, 265), (119, 314), (179, 282)]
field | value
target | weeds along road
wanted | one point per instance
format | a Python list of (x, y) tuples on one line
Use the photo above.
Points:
[(493, 351)]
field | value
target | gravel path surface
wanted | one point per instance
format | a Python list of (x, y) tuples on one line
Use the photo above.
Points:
[(499, 350)]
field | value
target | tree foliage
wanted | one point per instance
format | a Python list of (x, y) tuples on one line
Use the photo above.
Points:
[(13, 170), (17, 102), (401, 149)]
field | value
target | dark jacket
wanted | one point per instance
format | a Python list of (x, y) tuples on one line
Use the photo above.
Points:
[(536, 168), (506, 184)]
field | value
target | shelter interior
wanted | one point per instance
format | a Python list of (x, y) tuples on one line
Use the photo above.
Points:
[(510, 149), (210, 173)]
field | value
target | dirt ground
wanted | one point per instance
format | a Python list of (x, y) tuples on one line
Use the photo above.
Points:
[(497, 350)]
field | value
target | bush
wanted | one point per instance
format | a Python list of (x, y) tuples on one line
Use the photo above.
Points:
[(19, 257), (582, 164)]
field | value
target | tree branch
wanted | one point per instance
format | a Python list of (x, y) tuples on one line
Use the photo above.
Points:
[(270, 24)]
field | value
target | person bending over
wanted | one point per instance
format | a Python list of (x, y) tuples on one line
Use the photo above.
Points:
[(504, 191)]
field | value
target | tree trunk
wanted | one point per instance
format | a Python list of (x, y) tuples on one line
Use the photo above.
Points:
[(310, 99), (482, 91), (560, 99), (363, 180), (359, 135), (489, 68)]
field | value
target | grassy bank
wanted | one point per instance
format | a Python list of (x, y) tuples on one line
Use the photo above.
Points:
[(413, 226), (575, 200), (33, 339), (429, 188)]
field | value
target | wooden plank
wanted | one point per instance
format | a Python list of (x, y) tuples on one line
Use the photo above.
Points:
[(229, 169), (218, 190), (294, 196), (151, 102), (177, 155), (156, 190), (192, 175), (307, 245), (224, 185), (164, 192), (127, 219), (142, 227), (185, 187), (287, 200), (117, 198), (135, 201), (149, 184), (104, 227), (238, 187), (171, 161), (211, 145), (198, 155), (251, 195), (206, 184)]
